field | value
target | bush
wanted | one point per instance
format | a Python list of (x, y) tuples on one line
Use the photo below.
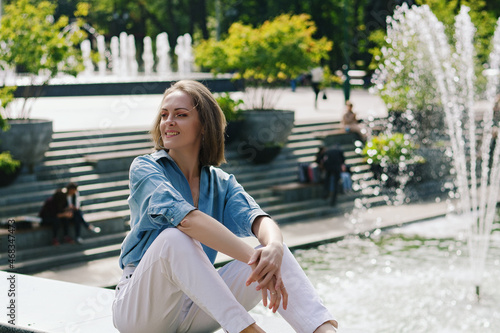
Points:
[(277, 51), (229, 106), (7, 164), (386, 150)]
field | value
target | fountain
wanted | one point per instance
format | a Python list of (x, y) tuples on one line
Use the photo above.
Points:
[(147, 56), (409, 279), (121, 59), (87, 63), (162, 53), (115, 55), (416, 38), (101, 48), (184, 53)]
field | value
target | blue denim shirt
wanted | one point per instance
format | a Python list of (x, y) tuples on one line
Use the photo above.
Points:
[(160, 198)]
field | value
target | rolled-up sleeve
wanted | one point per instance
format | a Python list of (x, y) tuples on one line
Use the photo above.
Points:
[(166, 206), (157, 202), (241, 210)]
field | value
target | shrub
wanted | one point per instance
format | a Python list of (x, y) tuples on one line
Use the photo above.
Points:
[(265, 56), (385, 150), (7, 164), (230, 107)]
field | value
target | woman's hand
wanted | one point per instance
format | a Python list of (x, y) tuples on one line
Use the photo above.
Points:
[(276, 295), (266, 269), (268, 260), (266, 263)]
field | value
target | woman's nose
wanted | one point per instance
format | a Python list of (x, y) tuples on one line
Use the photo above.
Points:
[(169, 120)]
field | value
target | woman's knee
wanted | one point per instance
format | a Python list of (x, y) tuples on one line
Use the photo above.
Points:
[(174, 240)]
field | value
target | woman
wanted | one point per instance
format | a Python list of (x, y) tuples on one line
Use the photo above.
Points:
[(184, 210)]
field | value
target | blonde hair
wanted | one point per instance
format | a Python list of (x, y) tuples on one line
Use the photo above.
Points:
[(211, 117)]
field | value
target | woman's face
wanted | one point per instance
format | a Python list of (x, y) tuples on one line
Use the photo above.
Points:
[(180, 125)]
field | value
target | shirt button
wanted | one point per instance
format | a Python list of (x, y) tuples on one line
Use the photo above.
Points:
[(172, 219)]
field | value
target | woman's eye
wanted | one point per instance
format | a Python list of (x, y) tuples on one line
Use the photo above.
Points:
[(181, 115)]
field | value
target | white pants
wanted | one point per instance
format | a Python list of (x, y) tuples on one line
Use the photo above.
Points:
[(175, 288)]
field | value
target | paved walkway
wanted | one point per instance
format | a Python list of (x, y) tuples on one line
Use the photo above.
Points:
[(107, 112)]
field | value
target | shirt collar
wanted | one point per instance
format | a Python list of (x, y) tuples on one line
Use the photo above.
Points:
[(161, 154)]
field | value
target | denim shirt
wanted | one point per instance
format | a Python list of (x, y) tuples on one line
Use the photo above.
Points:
[(160, 198)]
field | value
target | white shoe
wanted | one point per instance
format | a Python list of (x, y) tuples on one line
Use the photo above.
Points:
[(95, 230)]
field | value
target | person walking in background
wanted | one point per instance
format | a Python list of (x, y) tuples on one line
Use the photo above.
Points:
[(54, 213), (316, 80), (350, 122), (73, 204), (333, 160), (183, 211)]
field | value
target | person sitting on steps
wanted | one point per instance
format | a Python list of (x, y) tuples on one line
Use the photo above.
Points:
[(54, 213), (351, 123), (73, 204)]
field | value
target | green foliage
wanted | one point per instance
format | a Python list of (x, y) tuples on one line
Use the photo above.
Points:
[(230, 107), (277, 50), (265, 56), (385, 150), (7, 164), (33, 42), (6, 96)]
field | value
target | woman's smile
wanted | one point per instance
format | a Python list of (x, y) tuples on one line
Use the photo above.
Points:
[(171, 134)]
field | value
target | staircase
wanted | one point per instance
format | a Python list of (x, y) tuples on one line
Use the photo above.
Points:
[(98, 162)]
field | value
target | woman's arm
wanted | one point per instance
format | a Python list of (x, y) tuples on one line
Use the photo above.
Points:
[(267, 231), (210, 232), (269, 257)]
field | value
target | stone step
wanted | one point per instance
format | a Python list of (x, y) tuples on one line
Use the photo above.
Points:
[(35, 185), (89, 151), (65, 136), (48, 250), (88, 192), (71, 256), (75, 156), (113, 199), (37, 236), (128, 137), (91, 194), (322, 210)]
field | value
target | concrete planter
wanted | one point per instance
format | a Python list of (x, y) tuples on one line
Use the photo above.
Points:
[(27, 140), (7, 179), (233, 131), (267, 127), (259, 154)]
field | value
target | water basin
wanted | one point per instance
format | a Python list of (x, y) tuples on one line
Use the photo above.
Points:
[(411, 279)]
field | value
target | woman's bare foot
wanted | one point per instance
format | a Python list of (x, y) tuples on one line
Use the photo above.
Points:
[(254, 328)]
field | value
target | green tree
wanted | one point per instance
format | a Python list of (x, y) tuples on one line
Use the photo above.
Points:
[(34, 43), (267, 55)]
